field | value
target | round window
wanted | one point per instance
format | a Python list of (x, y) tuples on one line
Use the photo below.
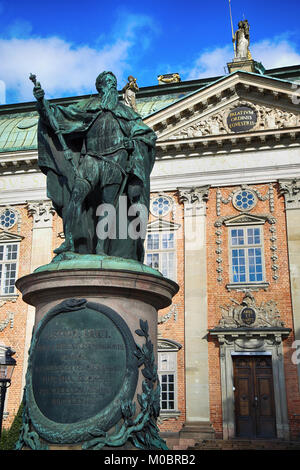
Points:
[(8, 218), (160, 206), (244, 200)]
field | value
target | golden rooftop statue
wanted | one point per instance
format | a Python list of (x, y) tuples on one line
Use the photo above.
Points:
[(168, 78)]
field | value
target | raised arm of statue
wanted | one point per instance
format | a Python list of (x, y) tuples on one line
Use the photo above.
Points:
[(47, 114)]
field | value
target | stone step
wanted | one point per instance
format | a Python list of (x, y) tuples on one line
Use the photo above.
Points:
[(219, 444)]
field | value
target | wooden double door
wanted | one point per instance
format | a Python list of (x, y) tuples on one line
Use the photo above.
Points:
[(254, 397)]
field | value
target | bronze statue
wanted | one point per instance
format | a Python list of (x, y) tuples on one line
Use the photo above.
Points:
[(92, 153)]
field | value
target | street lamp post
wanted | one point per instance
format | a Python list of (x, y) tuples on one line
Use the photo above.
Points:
[(7, 365)]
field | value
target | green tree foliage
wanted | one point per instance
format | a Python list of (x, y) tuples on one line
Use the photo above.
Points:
[(10, 436)]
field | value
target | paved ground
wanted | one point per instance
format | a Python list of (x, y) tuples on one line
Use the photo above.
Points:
[(218, 444)]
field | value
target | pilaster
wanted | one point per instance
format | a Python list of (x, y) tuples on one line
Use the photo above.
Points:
[(196, 346), (41, 253), (290, 188)]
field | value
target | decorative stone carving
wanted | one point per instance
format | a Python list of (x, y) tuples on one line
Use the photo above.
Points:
[(173, 312), (3, 300), (9, 320), (216, 124), (291, 191), (42, 212), (194, 200), (169, 205), (273, 248), (9, 217), (272, 118), (268, 197), (249, 314), (193, 195), (210, 126)]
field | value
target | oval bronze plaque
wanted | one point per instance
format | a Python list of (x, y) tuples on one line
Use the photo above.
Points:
[(241, 119), (82, 367), (248, 315)]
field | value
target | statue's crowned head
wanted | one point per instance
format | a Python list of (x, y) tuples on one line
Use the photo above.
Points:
[(106, 80)]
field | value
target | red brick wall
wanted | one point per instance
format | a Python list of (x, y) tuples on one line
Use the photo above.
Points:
[(279, 291), (174, 329), (15, 336)]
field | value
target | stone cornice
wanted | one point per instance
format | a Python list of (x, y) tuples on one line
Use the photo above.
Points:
[(14, 161), (260, 140)]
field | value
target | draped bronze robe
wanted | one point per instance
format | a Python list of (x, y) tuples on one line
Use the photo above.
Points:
[(74, 121)]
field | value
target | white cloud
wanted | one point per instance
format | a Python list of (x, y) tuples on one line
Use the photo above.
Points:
[(66, 69), (272, 53), (275, 53), (2, 92), (60, 67), (211, 63)]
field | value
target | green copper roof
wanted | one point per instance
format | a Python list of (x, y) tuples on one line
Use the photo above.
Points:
[(152, 104), (18, 132), (18, 123)]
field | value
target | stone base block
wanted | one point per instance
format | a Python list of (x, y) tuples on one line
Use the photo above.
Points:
[(91, 381), (248, 65)]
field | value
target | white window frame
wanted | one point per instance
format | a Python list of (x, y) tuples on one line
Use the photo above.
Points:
[(246, 247), (160, 251), (170, 358), (4, 262), (168, 349)]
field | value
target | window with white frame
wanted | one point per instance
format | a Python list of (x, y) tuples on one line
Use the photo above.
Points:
[(161, 253), (167, 372), (246, 254), (8, 267)]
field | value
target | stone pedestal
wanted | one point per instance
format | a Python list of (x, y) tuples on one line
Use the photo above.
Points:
[(92, 363), (248, 65)]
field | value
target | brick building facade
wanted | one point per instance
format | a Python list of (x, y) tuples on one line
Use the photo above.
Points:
[(224, 224)]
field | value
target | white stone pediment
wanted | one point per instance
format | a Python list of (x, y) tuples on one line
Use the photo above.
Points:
[(245, 219), (9, 237), (161, 225), (205, 113)]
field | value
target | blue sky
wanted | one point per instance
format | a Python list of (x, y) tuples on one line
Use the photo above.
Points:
[(67, 43)]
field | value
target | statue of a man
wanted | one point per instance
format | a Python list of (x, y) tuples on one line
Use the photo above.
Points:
[(110, 152)]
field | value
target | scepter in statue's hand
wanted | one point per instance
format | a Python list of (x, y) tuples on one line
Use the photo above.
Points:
[(39, 95), (38, 92)]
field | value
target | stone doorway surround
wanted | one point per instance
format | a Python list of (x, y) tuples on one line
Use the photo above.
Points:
[(263, 336)]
